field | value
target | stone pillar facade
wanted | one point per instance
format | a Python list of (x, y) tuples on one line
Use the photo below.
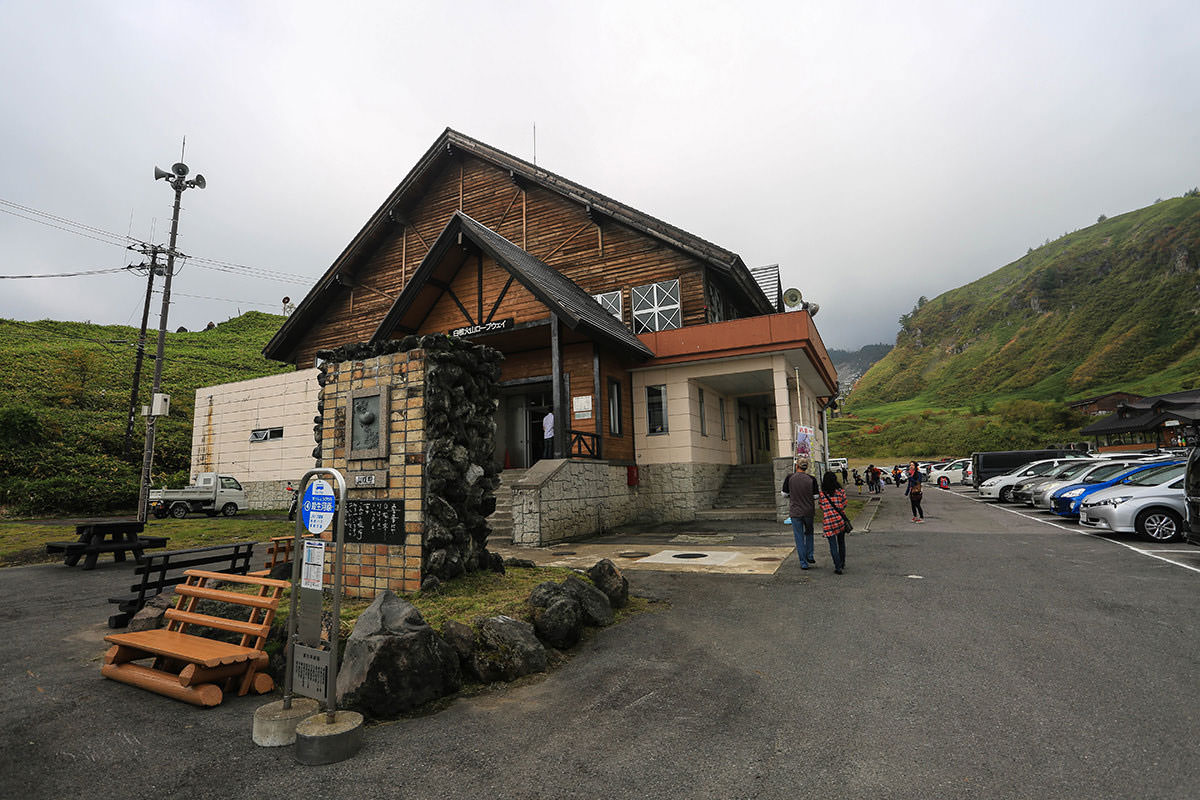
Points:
[(382, 456)]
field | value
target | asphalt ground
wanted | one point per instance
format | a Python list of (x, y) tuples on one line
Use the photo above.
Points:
[(980, 654)]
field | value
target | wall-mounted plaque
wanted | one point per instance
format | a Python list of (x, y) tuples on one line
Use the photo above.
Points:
[(374, 479), (366, 423), (375, 521), (581, 405)]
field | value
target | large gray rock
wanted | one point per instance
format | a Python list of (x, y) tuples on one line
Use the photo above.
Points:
[(151, 615), (597, 609), (506, 649), (394, 661), (461, 638), (608, 578), (560, 623)]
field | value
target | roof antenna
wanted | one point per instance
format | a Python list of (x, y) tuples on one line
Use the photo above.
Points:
[(535, 144)]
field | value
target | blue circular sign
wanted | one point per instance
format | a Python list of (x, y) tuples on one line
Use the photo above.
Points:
[(318, 506)]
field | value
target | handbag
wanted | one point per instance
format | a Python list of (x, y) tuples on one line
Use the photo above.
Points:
[(842, 514)]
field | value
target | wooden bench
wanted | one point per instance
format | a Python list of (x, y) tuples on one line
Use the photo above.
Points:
[(160, 571), (117, 537), (189, 666)]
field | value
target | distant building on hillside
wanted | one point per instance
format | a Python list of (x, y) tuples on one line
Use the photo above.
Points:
[(1168, 420), (1103, 404)]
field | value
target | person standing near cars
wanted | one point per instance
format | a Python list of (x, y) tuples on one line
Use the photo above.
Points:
[(833, 520), (802, 488), (915, 491)]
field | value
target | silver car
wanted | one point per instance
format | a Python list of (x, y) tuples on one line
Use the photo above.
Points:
[(1150, 503)]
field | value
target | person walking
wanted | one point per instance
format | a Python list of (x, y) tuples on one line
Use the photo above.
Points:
[(871, 479), (548, 435), (802, 488), (858, 481), (833, 519), (915, 491), (845, 477)]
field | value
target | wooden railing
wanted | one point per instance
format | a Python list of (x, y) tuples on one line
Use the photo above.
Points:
[(584, 445)]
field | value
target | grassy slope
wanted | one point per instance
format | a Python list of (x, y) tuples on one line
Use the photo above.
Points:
[(75, 378), (1111, 307)]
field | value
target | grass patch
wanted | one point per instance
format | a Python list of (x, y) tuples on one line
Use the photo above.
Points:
[(25, 542)]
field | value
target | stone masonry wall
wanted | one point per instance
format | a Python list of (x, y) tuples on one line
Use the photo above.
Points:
[(558, 501), (369, 568)]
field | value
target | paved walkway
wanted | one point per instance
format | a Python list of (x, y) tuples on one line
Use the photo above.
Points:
[(978, 655)]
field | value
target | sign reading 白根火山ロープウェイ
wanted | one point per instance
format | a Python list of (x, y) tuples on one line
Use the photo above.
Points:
[(318, 506), (492, 326)]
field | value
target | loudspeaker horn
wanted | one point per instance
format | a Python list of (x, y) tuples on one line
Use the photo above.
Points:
[(180, 169), (792, 298), (160, 173), (199, 181)]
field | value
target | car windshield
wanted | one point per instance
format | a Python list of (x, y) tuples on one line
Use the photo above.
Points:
[(1075, 469), (1040, 469), (1104, 472), (1157, 475)]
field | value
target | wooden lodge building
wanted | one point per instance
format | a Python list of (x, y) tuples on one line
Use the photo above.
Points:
[(667, 362)]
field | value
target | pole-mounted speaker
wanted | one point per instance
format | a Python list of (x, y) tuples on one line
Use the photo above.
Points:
[(792, 298), (160, 173)]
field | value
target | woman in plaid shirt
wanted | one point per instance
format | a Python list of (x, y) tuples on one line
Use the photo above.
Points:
[(833, 501)]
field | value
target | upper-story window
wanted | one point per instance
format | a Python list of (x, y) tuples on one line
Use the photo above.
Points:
[(265, 434), (716, 304), (656, 307), (610, 302)]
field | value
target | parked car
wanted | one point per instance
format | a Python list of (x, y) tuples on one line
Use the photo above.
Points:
[(1068, 499), (1191, 487), (989, 464), (1096, 471), (1150, 503), (1071, 472), (949, 472), (210, 493), (1001, 487)]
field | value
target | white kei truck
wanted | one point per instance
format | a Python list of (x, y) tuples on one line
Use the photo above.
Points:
[(211, 493)]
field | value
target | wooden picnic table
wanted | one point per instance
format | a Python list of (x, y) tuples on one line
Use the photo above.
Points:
[(115, 536)]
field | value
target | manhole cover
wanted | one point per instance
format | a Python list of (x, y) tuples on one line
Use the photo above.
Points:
[(690, 555), (767, 558), (633, 554), (562, 552)]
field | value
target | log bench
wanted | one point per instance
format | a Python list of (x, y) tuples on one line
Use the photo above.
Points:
[(161, 571), (186, 664), (117, 537)]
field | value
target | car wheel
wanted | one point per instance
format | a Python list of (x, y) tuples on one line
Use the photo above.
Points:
[(1159, 524), (179, 510), (229, 509), (1006, 494)]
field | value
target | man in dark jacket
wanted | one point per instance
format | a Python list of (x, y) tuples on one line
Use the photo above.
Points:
[(802, 488)]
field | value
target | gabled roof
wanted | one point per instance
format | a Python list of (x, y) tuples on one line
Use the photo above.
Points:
[(597, 205), (576, 308)]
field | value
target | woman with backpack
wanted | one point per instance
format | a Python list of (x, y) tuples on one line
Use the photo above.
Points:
[(915, 491), (833, 519)]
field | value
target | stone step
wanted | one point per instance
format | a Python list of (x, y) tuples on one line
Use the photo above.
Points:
[(756, 512)]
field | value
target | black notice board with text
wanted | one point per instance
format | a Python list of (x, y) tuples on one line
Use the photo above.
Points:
[(375, 521)]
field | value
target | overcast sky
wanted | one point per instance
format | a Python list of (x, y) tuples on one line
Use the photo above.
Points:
[(876, 151)]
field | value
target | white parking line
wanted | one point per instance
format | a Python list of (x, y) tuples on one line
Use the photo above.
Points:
[(1061, 527)]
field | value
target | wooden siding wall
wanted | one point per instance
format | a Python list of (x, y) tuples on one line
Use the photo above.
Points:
[(518, 303), (600, 258)]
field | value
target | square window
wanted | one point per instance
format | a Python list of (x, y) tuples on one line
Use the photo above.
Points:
[(656, 307), (656, 409), (610, 302)]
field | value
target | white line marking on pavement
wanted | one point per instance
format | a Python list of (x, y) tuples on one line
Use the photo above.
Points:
[(1150, 553)]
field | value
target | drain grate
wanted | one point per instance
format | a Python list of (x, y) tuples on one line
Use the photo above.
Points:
[(633, 554), (768, 558), (690, 555), (562, 552)]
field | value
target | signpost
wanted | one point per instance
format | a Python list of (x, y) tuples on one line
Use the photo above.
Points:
[(311, 661)]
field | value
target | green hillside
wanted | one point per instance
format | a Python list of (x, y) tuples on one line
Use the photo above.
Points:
[(64, 407), (1115, 306)]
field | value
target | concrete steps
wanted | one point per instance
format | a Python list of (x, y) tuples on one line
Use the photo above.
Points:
[(747, 486), (501, 520)]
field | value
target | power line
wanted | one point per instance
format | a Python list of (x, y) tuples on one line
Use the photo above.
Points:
[(222, 299), (65, 221), (67, 274), (253, 272)]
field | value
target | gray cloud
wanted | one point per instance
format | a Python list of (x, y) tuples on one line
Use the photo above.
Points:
[(878, 152)]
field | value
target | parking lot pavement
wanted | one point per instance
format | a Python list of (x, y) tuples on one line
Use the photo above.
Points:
[(1179, 553), (981, 654)]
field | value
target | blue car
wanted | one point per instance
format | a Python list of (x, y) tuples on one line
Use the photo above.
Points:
[(1066, 501)]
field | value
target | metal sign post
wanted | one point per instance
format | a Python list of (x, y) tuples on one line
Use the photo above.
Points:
[(311, 665)]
